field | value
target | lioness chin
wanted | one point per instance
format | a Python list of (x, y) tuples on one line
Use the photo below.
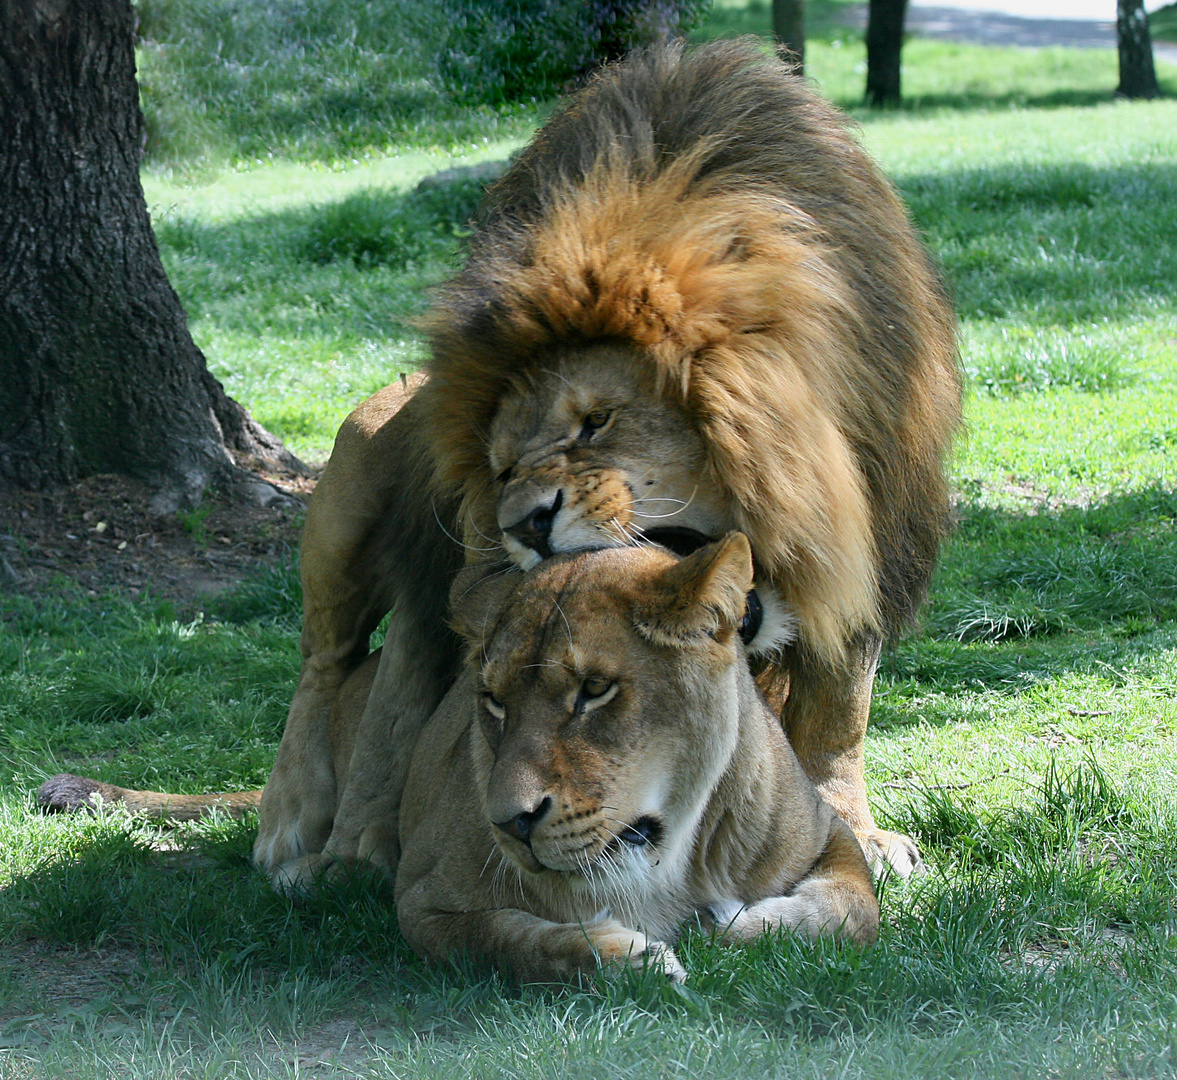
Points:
[(603, 771)]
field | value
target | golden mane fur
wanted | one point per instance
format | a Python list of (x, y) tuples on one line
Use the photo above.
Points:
[(714, 213)]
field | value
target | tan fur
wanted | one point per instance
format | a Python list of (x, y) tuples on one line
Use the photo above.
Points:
[(695, 248), (673, 738), (65, 791), (680, 736)]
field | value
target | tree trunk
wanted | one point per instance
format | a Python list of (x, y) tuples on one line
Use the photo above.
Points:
[(884, 44), (788, 24), (1138, 77), (98, 372)]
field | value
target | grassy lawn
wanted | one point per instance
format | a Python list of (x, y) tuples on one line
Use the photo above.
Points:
[(1025, 735), (1162, 23)]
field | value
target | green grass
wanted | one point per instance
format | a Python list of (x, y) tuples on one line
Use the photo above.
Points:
[(1025, 734), (334, 81), (1162, 23)]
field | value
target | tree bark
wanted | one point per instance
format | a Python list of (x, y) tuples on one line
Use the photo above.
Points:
[(884, 45), (788, 25), (1138, 77), (98, 372)]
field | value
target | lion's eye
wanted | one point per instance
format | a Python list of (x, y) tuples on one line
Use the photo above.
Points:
[(593, 423), (493, 706), (594, 692)]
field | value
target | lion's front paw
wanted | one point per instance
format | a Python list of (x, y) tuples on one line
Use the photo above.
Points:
[(295, 819), (891, 853), (303, 876)]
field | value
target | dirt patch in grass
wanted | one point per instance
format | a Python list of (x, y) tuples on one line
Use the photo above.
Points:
[(54, 981), (99, 534)]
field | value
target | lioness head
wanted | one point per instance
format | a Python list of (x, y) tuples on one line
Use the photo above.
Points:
[(610, 686), (589, 453)]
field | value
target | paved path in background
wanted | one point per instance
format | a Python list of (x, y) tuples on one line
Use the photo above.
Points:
[(1008, 26), (1030, 23)]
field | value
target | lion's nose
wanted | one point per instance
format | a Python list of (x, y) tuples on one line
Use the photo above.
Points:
[(534, 529), (521, 825)]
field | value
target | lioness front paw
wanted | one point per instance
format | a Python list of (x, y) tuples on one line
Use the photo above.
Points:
[(661, 957), (620, 945), (890, 853)]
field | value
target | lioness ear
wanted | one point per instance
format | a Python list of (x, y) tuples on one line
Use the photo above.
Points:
[(705, 593), (478, 595)]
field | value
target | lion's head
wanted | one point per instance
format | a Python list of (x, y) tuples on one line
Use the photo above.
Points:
[(702, 308), (611, 687)]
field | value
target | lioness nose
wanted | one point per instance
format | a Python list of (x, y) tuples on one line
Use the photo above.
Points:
[(521, 825), (535, 528)]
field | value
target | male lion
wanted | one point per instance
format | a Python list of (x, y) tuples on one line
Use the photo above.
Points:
[(603, 770), (692, 304)]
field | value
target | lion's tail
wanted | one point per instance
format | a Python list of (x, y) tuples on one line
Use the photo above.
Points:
[(68, 792)]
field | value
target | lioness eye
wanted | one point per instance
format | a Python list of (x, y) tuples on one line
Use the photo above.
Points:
[(593, 423), (594, 687), (594, 692), (494, 706)]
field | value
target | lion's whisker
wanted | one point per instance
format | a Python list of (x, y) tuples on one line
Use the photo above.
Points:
[(467, 547), (673, 513)]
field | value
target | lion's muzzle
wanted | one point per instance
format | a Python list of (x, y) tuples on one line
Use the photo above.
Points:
[(534, 528), (562, 507)]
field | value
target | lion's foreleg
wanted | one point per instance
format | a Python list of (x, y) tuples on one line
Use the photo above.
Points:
[(825, 718), (298, 803), (348, 565), (414, 673)]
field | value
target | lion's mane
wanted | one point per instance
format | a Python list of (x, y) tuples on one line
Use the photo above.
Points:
[(708, 208)]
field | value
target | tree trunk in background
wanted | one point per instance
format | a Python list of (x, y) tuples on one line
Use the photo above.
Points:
[(884, 44), (98, 372), (1138, 77), (788, 24)]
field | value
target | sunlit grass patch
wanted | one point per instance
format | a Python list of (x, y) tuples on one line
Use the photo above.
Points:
[(1002, 359)]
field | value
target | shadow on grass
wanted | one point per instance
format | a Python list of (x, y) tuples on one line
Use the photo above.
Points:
[(122, 882), (1021, 599), (970, 102)]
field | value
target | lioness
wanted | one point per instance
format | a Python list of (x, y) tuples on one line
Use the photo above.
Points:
[(604, 770), (691, 305)]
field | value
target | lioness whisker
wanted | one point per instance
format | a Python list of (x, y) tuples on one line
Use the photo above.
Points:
[(567, 624), (548, 663)]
